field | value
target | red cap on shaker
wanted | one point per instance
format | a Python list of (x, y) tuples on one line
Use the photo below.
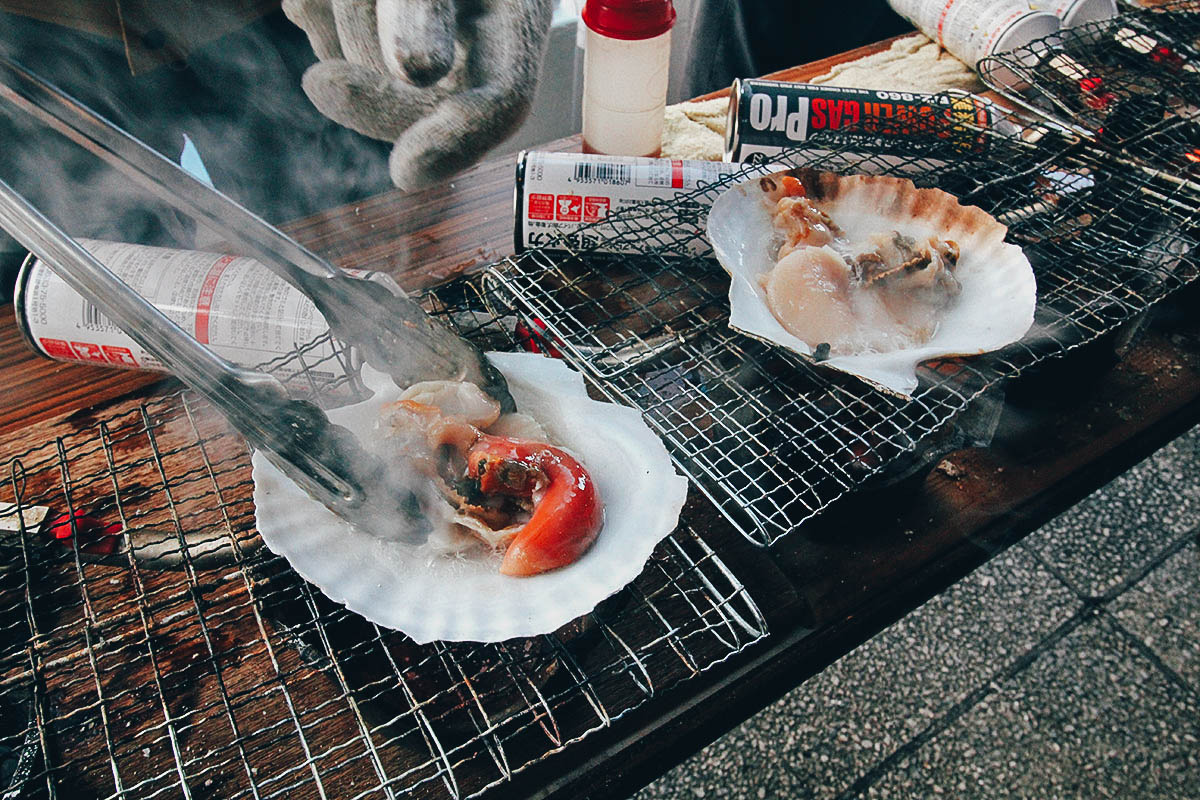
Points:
[(629, 19)]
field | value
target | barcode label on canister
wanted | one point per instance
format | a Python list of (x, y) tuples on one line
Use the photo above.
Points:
[(559, 194), (93, 319), (615, 174)]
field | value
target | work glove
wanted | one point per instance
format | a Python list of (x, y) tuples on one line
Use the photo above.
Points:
[(444, 80)]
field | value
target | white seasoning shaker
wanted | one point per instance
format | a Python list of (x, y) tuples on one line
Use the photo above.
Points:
[(627, 53)]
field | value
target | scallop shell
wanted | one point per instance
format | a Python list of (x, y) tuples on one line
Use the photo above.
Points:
[(464, 598), (998, 296)]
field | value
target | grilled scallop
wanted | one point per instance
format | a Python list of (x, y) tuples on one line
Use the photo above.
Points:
[(876, 272)]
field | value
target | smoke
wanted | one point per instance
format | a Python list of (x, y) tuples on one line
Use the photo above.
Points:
[(240, 101), (238, 97)]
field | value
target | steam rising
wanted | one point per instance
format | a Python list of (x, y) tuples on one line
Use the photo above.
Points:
[(238, 97)]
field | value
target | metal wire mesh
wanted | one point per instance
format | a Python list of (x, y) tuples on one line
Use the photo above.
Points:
[(150, 646), (1130, 83), (773, 439)]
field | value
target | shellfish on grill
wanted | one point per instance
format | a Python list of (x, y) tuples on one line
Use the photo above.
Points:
[(435, 592), (926, 276)]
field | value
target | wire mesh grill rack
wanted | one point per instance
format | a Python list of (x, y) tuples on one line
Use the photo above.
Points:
[(150, 646), (1130, 83), (768, 436)]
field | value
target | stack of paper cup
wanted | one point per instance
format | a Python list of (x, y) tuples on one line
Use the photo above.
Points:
[(1077, 12)]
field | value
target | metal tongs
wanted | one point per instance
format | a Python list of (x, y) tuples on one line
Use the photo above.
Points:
[(394, 334)]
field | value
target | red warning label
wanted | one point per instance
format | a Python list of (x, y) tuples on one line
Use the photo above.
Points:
[(568, 208), (121, 356), (541, 206), (595, 208), (204, 302), (56, 348), (86, 351)]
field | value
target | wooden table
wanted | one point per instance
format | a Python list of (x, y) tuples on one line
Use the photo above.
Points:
[(822, 590)]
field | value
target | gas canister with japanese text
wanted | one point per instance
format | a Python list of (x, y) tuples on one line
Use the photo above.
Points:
[(236, 306), (559, 195), (767, 117)]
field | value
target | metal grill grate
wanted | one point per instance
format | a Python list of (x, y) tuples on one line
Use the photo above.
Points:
[(185, 659), (773, 440), (1131, 83)]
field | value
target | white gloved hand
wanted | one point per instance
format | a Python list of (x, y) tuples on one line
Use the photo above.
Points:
[(445, 80)]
